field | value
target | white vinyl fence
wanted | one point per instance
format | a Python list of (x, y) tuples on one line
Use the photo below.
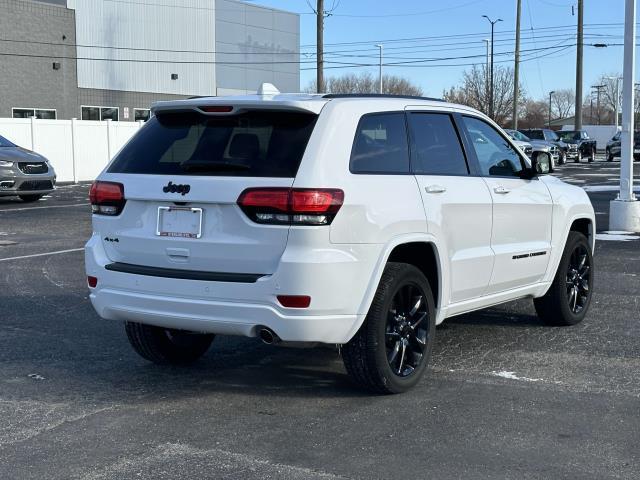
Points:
[(77, 149)]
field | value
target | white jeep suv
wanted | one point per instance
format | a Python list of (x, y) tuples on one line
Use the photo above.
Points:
[(362, 221)]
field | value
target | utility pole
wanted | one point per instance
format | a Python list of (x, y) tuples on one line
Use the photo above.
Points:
[(598, 89), (579, 57), (550, 95), (491, 106), (624, 213), (320, 47), (516, 68), (380, 70)]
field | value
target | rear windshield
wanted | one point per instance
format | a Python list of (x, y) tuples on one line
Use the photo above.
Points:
[(534, 134), (252, 144)]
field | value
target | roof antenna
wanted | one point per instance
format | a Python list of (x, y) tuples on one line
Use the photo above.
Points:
[(268, 89)]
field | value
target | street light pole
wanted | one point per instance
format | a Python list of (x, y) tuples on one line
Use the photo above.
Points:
[(486, 74), (380, 69), (624, 213), (491, 106), (550, 95), (516, 67)]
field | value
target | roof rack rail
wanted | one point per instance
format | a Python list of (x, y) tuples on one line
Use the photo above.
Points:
[(378, 95)]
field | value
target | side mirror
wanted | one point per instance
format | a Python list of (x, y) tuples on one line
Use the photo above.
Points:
[(540, 163)]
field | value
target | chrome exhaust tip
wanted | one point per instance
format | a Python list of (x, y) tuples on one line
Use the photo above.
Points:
[(268, 336)]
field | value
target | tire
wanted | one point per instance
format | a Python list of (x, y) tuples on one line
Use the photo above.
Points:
[(167, 346), (609, 156), (30, 198), (379, 348), (592, 156), (558, 306), (578, 158), (563, 158)]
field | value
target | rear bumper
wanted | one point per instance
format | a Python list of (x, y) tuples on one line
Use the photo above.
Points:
[(225, 318), (334, 278)]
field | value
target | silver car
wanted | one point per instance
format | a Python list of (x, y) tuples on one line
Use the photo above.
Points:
[(24, 173), (538, 145)]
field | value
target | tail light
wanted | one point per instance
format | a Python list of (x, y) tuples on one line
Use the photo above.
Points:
[(92, 281), (107, 198), (291, 206)]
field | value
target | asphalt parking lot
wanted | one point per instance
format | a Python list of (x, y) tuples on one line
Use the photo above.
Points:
[(504, 397)]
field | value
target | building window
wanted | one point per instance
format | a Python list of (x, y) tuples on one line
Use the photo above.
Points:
[(42, 113), (141, 114), (100, 113)]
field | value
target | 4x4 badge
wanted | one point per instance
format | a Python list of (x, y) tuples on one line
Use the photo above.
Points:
[(173, 188)]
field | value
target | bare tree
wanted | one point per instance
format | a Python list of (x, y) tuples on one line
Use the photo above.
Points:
[(610, 96), (534, 114), (563, 103), (365, 82), (474, 92)]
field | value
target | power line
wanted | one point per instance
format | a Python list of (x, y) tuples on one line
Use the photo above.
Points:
[(345, 53), (463, 35)]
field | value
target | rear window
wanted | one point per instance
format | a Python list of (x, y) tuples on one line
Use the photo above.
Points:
[(533, 134), (252, 144)]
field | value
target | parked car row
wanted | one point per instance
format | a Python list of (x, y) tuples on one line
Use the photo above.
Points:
[(614, 147)]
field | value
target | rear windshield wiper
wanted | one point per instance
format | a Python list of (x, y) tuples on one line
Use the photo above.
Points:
[(213, 166)]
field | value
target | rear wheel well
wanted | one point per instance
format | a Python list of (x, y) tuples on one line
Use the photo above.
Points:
[(583, 226), (421, 255)]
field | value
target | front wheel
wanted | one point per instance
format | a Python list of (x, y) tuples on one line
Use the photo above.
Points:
[(609, 156), (567, 301), (578, 157), (390, 352), (592, 156), (167, 346), (563, 158)]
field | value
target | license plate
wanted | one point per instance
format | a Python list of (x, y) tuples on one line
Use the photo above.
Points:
[(181, 222)]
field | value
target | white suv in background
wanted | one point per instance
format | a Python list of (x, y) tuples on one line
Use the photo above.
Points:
[(362, 221)]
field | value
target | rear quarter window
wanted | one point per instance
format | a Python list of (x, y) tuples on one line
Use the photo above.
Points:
[(252, 144), (380, 145)]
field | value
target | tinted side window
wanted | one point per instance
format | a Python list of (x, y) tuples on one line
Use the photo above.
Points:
[(380, 144), (495, 155), (437, 148)]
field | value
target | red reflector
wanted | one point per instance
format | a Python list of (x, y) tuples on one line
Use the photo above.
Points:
[(92, 281), (102, 192), (271, 198), (217, 108), (294, 301)]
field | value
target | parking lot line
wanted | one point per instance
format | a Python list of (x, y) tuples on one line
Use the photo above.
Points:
[(48, 206), (41, 254)]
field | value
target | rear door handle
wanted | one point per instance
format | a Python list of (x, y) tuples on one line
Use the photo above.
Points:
[(501, 190), (435, 189)]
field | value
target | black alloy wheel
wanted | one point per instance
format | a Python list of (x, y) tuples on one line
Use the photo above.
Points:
[(406, 330), (569, 296), (578, 279), (390, 352)]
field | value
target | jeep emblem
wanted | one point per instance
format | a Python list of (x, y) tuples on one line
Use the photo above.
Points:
[(173, 188)]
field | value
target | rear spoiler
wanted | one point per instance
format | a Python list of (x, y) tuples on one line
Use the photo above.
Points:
[(234, 106)]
